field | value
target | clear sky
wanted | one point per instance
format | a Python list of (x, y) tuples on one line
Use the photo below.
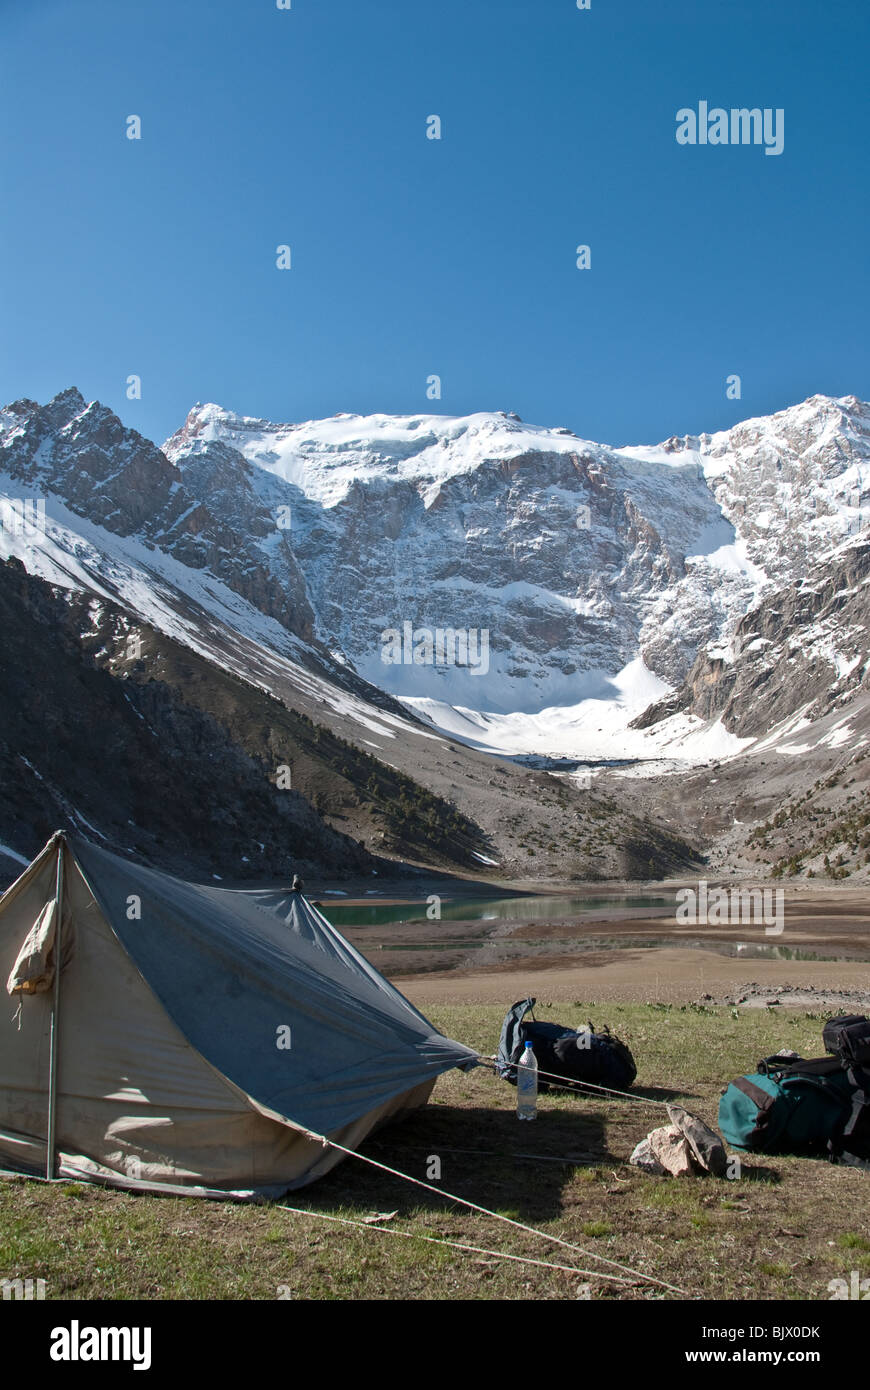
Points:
[(411, 256)]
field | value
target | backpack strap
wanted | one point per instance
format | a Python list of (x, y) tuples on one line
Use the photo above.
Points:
[(761, 1098), (816, 1066), (856, 1133), (776, 1063)]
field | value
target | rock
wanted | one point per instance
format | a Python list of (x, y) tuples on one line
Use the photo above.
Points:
[(671, 1147), (643, 1157), (706, 1146)]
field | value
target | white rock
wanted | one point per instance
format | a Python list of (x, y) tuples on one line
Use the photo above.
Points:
[(671, 1147), (643, 1157)]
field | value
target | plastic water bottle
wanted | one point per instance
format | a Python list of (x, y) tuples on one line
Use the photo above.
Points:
[(527, 1085)]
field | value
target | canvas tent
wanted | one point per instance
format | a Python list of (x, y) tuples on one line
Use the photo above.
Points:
[(195, 1037)]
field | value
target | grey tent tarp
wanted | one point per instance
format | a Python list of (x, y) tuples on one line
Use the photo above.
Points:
[(198, 1038)]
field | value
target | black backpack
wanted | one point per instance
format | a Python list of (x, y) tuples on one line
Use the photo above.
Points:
[(848, 1039), (578, 1057)]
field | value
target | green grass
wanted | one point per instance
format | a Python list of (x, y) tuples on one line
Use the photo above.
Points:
[(595, 1228), (782, 1230), (850, 1241)]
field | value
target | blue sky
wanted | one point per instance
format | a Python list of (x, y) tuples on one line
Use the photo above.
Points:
[(413, 257)]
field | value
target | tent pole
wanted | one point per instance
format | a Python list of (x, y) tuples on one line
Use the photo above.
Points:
[(55, 1019)]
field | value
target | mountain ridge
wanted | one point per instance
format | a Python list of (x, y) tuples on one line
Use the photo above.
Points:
[(616, 586)]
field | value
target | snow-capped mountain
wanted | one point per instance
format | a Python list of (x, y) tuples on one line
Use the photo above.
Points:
[(597, 574), (804, 648), (568, 555), (701, 599)]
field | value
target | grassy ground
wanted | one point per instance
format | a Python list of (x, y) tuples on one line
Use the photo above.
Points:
[(782, 1230)]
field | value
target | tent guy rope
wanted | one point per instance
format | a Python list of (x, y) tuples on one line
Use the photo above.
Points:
[(578, 1087), (457, 1245), (497, 1216)]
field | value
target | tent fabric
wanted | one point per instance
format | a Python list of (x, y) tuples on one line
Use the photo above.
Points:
[(203, 1038), (34, 967)]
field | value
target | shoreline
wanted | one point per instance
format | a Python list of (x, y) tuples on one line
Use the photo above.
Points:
[(628, 954)]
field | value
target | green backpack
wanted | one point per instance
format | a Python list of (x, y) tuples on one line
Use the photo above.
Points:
[(806, 1107), (787, 1107)]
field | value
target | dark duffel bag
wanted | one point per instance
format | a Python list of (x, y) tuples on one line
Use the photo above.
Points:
[(573, 1055)]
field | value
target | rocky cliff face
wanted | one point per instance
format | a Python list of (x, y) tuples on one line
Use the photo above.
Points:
[(120, 481), (574, 558), (805, 648), (567, 554)]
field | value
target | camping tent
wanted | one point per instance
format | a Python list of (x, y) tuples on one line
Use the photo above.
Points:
[(192, 1038)]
